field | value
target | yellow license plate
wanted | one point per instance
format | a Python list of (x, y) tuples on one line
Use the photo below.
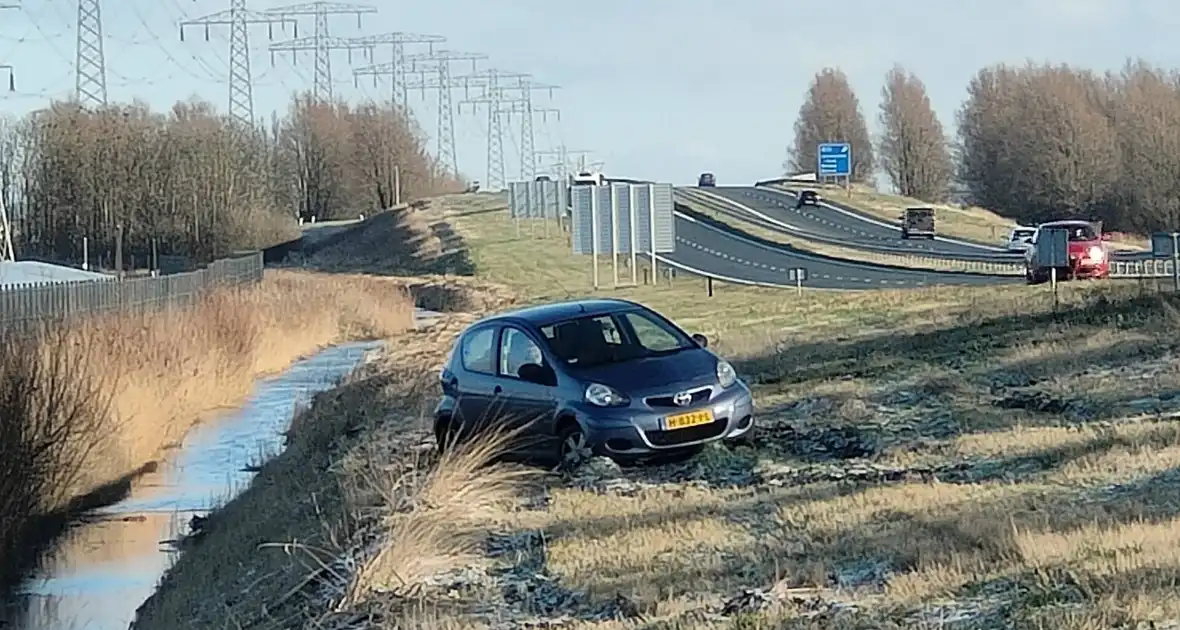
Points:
[(685, 420)]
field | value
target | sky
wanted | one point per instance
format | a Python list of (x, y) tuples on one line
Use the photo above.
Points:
[(656, 89)]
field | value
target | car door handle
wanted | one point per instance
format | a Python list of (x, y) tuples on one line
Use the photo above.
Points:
[(497, 390)]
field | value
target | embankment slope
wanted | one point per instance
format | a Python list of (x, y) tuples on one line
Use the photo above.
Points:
[(923, 455)]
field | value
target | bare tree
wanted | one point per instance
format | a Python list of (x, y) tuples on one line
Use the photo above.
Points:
[(831, 113), (192, 182), (1039, 143), (913, 148)]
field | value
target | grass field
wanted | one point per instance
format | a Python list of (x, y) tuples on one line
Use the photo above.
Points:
[(944, 458)]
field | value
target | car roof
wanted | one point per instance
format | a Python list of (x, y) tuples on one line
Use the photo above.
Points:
[(545, 314), (1067, 223)]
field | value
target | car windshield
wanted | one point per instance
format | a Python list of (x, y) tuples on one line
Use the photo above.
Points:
[(613, 338)]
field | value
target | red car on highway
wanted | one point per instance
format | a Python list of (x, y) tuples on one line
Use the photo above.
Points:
[(1089, 255)]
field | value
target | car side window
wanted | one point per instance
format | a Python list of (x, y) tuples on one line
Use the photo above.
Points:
[(650, 335), (478, 351), (517, 350), (610, 331)]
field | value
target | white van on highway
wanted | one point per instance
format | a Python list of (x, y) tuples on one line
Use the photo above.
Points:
[(1021, 238)]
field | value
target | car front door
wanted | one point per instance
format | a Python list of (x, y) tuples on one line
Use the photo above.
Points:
[(478, 385), (529, 406)]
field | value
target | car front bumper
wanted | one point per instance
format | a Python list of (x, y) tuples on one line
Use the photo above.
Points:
[(638, 431)]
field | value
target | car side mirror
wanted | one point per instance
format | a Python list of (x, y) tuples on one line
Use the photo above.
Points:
[(701, 340), (538, 374)]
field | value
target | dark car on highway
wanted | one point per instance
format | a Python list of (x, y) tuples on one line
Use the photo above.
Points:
[(917, 222), (807, 198), (706, 180), (597, 376)]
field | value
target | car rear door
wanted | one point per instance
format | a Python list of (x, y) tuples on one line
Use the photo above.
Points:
[(478, 386), (528, 407)]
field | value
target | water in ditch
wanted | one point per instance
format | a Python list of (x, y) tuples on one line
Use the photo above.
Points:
[(103, 570)]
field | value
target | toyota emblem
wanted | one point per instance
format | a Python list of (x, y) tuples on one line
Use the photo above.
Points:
[(682, 399)]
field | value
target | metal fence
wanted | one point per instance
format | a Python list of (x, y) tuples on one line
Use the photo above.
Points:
[(23, 306)]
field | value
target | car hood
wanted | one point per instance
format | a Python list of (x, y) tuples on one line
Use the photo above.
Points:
[(682, 370)]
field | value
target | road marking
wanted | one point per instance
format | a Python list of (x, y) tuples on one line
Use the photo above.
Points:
[(892, 227)]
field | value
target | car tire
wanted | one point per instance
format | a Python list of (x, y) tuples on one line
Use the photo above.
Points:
[(442, 434), (569, 439)]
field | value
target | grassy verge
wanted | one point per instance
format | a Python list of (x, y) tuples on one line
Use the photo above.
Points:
[(925, 457), (972, 223), (87, 404)]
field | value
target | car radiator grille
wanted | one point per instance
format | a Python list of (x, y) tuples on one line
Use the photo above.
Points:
[(689, 435), (698, 397)]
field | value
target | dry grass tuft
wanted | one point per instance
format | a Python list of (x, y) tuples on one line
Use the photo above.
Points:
[(435, 520), (89, 402)]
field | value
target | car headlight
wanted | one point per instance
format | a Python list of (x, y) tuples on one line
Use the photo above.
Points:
[(1096, 253), (601, 395), (726, 375)]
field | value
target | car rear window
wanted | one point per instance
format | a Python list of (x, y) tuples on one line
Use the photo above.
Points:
[(1082, 233)]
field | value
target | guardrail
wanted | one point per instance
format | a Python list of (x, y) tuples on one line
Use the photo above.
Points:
[(1151, 268), (932, 261)]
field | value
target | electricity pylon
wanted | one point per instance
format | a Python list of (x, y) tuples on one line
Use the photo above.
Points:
[(90, 73), (397, 42), (321, 42), (241, 84)]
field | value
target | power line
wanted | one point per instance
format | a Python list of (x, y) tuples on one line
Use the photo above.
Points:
[(523, 107), (90, 71), (493, 97), (321, 42), (439, 62), (7, 252), (397, 42), (239, 19), (562, 153)]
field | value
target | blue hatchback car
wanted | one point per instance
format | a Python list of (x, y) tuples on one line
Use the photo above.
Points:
[(603, 376)]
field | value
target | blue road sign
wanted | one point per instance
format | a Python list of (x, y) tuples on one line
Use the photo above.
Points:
[(835, 158)]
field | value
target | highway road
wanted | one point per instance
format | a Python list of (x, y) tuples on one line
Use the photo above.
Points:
[(728, 254), (832, 221), (835, 221)]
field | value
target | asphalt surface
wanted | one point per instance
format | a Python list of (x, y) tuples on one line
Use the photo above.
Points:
[(833, 221), (728, 255)]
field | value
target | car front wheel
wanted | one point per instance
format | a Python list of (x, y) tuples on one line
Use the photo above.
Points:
[(572, 449)]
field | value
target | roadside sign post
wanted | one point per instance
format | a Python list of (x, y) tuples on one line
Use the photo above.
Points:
[(798, 275), (835, 160), (614, 236), (611, 217), (594, 251), (1053, 252), (1167, 245), (634, 250), (651, 216)]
